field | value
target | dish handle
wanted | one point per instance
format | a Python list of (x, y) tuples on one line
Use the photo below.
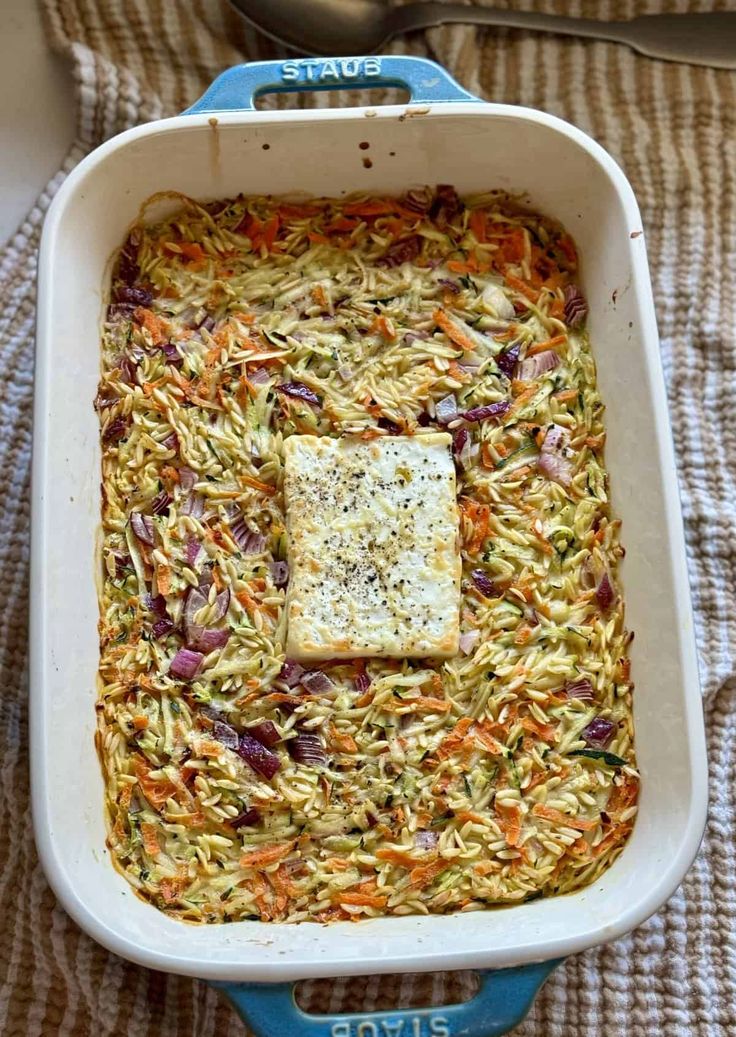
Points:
[(503, 1000), (237, 88)]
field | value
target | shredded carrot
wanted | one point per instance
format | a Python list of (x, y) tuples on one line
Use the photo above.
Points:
[(123, 805), (171, 888), (320, 295), (619, 833), (469, 815), (544, 347), (452, 742), (479, 516), (558, 818), (567, 247), (477, 224), (318, 239), (155, 791), (337, 864), (424, 874), (266, 855), (456, 267), (398, 857), (453, 332), (546, 732), (342, 742), (565, 395), (258, 484), (491, 744), (361, 899), (140, 722), (384, 327), (428, 704), (192, 250), (374, 207), (510, 821), (521, 287), (153, 324), (485, 867)]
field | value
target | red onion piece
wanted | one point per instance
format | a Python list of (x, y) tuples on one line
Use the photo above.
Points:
[(186, 664), (172, 354), (171, 442), (580, 689), (160, 503), (247, 818), (418, 199), (490, 410), (484, 584), (468, 641), (258, 756), (345, 372), (316, 681), (446, 205), (451, 286), (551, 462), (604, 593), (162, 627), (404, 250), (299, 391), (193, 551), (207, 640), (576, 308), (249, 542), (307, 748), (156, 604), (226, 734), (187, 477), (291, 673), (259, 376), (279, 573), (195, 601), (142, 526), (599, 732), (133, 295), (461, 444), (555, 468), (362, 682), (535, 366), (221, 604), (426, 840), (506, 362), (446, 409), (265, 732), (193, 505), (115, 430)]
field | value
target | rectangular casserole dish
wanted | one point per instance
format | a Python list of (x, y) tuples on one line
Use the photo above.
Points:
[(223, 147)]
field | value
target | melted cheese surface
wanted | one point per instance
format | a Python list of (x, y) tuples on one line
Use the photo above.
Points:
[(373, 547)]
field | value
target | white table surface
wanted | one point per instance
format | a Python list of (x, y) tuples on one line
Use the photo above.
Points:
[(37, 113)]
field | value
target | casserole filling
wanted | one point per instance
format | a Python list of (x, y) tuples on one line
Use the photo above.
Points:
[(280, 738)]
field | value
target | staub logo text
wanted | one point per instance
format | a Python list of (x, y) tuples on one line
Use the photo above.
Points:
[(413, 1026), (332, 70)]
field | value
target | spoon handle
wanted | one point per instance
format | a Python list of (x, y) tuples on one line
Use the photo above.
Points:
[(700, 38), (430, 14)]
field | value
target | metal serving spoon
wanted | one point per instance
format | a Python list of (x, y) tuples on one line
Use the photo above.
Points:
[(364, 26)]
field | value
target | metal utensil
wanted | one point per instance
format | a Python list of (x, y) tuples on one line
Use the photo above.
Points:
[(364, 26)]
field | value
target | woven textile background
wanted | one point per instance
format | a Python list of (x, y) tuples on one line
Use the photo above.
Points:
[(673, 128)]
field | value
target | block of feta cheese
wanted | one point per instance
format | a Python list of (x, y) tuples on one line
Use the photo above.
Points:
[(373, 547)]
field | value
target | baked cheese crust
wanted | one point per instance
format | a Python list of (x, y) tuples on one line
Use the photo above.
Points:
[(373, 547)]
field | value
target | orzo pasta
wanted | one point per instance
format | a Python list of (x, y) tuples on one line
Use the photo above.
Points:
[(242, 784)]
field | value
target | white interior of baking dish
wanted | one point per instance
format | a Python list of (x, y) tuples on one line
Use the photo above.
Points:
[(473, 147)]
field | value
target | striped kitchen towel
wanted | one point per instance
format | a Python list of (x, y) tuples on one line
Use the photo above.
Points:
[(673, 129)]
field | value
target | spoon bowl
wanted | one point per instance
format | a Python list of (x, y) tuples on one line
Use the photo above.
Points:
[(347, 27)]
